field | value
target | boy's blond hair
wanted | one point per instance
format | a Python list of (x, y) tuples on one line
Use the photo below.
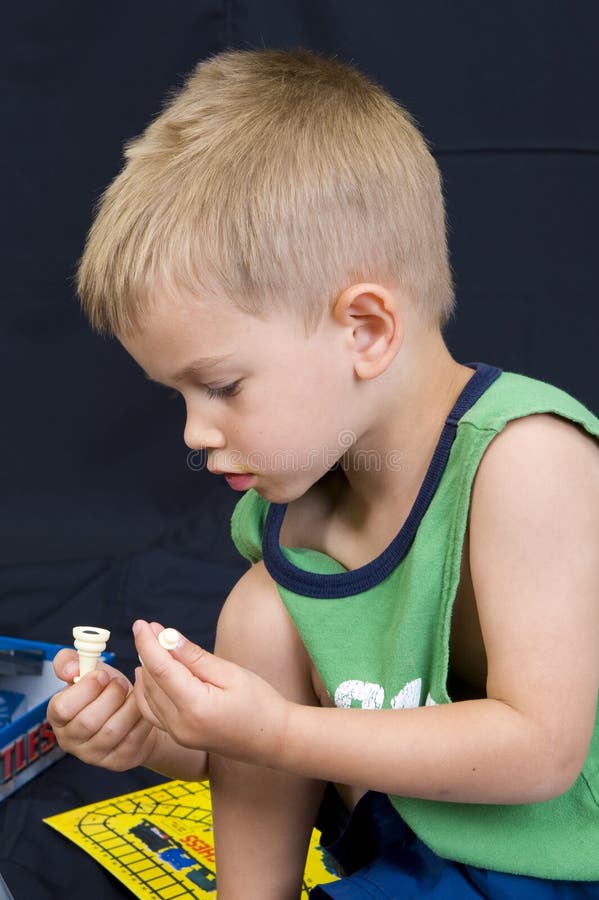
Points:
[(273, 179)]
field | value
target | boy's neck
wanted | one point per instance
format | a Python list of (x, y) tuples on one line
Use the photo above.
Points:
[(391, 457)]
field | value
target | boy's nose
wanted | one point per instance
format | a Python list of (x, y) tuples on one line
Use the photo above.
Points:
[(198, 437)]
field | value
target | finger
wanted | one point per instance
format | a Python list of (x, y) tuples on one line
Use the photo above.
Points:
[(170, 685), (160, 705), (85, 707), (128, 750), (145, 704), (69, 702), (204, 665), (118, 726), (156, 628), (157, 661), (145, 636), (118, 737), (66, 666)]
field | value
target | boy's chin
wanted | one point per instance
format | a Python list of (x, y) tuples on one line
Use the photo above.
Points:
[(281, 491), (276, 494)]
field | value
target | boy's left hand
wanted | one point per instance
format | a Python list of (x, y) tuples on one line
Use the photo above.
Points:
[(208, 703)]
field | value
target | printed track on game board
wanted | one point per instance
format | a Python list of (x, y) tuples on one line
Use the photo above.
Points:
[(160, 843)]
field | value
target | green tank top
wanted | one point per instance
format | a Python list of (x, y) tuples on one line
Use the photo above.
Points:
[(379, 635)]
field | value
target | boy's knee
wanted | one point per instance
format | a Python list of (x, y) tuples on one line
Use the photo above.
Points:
[(256, 631), (252, 605)]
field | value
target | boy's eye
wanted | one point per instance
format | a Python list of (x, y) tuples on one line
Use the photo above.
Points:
[(227, 390)]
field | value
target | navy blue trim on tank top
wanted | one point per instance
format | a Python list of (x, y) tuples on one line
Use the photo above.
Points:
[(355, 581)]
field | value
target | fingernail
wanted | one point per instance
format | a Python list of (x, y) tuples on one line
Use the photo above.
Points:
[(102, 677), (136, 626)]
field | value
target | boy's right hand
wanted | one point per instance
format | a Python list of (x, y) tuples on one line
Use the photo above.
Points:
[(98, 719)]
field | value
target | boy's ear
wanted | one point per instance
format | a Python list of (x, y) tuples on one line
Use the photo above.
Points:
[(374, 316)]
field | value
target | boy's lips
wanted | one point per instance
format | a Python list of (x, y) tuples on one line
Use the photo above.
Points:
[(239, 481)]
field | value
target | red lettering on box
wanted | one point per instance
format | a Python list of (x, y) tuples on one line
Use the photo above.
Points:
[(6, 762), (20, 757), (47, 736), (33, 742)]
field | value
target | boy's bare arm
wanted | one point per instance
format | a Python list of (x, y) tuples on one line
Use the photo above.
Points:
[(534, 534), (533, 557)]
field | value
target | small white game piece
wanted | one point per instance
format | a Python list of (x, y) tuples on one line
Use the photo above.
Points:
[(89, 644), (168, 638)]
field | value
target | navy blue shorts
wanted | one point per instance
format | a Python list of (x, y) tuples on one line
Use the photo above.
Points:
[(383, 859)]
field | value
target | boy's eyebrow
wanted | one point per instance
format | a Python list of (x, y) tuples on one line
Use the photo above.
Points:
[(197, 367)]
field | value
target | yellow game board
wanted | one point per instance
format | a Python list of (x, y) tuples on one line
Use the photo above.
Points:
[(159, 841)]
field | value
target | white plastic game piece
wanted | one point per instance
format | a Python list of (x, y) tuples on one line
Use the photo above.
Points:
[(168, 638), (89, 644)]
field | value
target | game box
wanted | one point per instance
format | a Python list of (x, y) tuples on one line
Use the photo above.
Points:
[(27, 682)]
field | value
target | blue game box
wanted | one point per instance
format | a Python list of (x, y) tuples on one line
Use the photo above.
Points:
[(27, 682)]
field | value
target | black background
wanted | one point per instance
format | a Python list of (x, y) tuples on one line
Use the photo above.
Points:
[(91, 458)]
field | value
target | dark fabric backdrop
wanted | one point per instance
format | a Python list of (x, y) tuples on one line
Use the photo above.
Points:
[(92, 463), (91, 456)]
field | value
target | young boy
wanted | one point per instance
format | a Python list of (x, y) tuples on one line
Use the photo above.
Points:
[(420, 626)]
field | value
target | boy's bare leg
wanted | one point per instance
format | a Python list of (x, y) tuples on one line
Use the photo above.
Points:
[(263, 818)]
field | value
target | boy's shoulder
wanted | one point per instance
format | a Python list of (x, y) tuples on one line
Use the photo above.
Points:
[(531, 416), (513, 396), (543, 456), (534, 498), (539, 443)]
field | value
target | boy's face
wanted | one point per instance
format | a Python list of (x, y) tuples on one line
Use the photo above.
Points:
[(271, 407)]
